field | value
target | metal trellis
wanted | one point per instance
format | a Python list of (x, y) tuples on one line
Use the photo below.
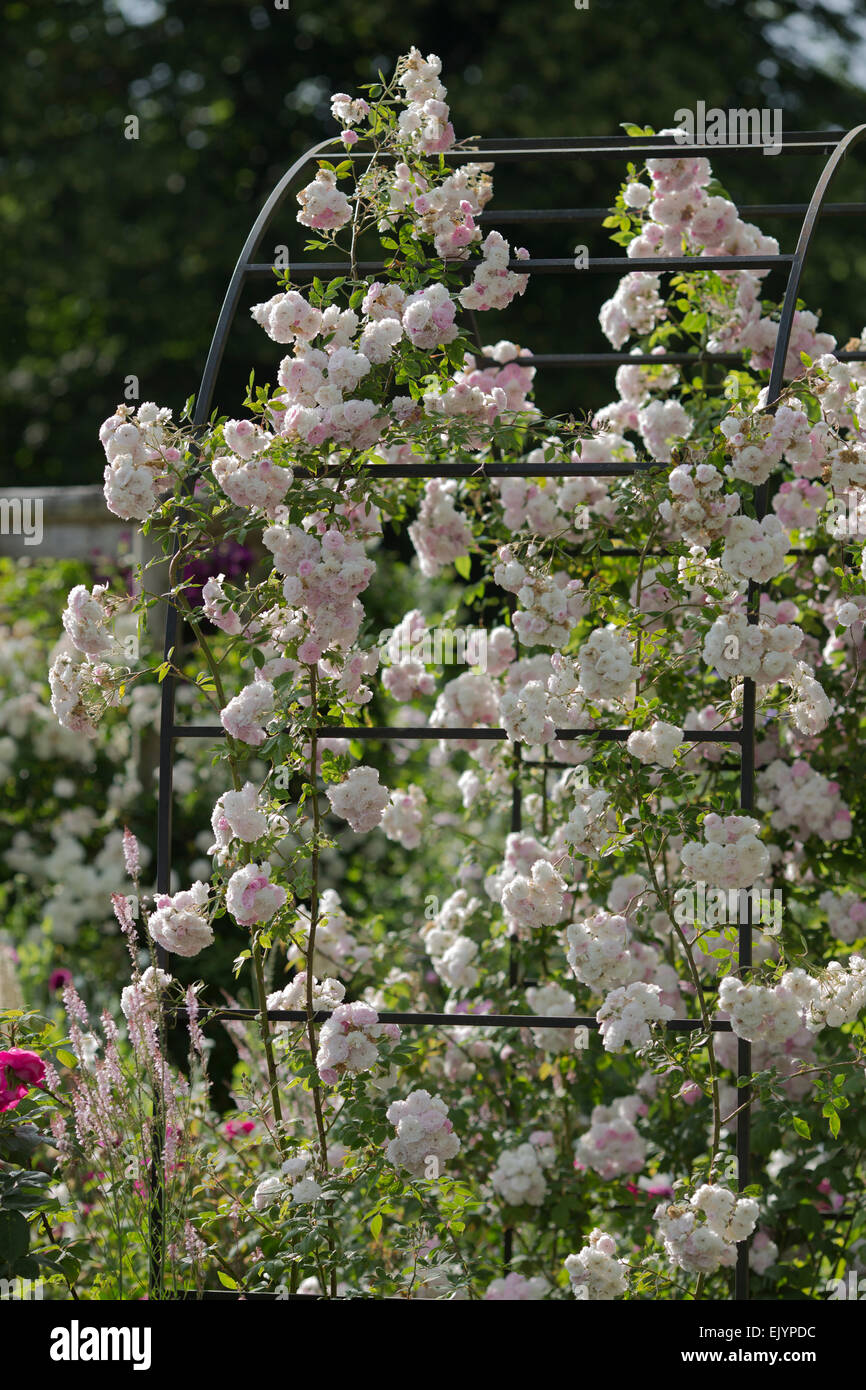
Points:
[(833, 147)]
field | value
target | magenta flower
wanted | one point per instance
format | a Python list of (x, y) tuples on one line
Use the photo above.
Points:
[(19, 1070)]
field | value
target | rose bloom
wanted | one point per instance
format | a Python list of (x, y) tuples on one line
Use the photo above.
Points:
[(19, 1070)]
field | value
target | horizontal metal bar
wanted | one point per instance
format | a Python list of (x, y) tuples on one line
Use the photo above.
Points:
[(642, 359), (676, 1025), (369, 731), (490, 470), (608, 147), (599, 265), (568, 215), (412, 731)]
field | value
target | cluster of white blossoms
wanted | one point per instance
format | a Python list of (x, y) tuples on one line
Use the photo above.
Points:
[(143, 995), (561, 508), (566, 703), (626, 1015), (323, 577), (612, 1145), (468, 700), (405, 676), (439, 533), (544, 694), (451, 951), (811, 709), (598, 951), (86, 619), (590, 822), (551, 1001), (519, 1176), (237, 815), (763, 1252), (604, 663), (429, 317), (755, 549), (246, 716), (838, 995), (253, 482), (760, 1014), (446, 211), (698, 509), (80, 691), (595, 1274), (550, 604), (635, 308), (524, 715), (327, 994), (534, 900), (803, 801), (846, 915), (425, 1137), (657, 744), (291, 1181), (732, 857), (359, 799), (217, 607), (403, 817), (424, 124), (493, 285), (137, 466), (251, 897), (323, 205), (286, 318), (348, 1042), (179, 923), (702, 1247), (660, 424), (516, 1288), (774, 1015), (758, 441), (762, 651)]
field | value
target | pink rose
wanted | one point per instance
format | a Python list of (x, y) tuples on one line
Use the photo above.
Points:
[(19, 1070)]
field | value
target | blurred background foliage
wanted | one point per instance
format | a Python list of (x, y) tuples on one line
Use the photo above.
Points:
[(117, 251)]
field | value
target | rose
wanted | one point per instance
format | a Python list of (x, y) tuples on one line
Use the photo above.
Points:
[(19, 1070)]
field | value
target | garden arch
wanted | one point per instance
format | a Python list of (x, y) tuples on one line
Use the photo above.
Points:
[(833, 148)]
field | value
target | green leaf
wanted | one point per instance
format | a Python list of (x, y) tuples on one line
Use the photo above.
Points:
[(463, 566), (227, 1281), (376, 1226), (802, 1128), (68, 1059), (14, 1237)]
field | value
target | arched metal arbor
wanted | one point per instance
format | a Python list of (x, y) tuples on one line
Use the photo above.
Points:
[(832, 147)]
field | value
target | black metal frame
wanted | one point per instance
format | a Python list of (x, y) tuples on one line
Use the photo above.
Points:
[(835, 146)]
